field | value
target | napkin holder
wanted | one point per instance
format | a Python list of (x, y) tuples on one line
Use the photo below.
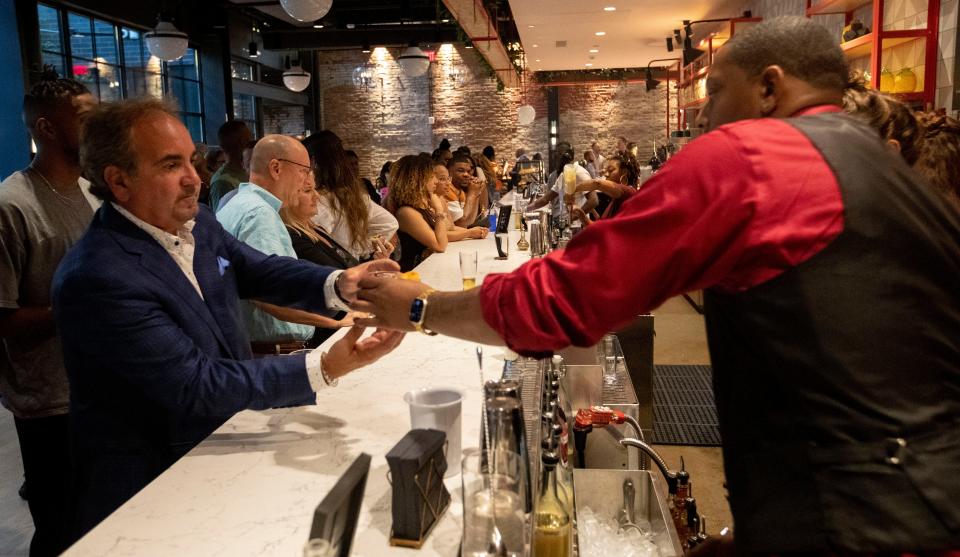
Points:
[(417, 465)]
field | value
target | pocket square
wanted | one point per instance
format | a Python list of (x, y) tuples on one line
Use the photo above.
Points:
[(222, 264)]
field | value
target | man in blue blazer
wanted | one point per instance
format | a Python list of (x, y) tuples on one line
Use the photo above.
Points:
[(147, 304)]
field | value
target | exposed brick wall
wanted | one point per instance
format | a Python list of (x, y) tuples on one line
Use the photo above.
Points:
[(392, 118), (603, 112), (474, 113)]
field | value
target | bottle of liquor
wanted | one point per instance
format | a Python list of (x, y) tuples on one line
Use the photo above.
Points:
[(552, 519), (678, 509), (564, 487)]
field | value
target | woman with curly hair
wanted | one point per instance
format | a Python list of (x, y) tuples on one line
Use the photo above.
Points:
[(346, 210), (891, 118), (423, 225), (622, 178), (938, 153)]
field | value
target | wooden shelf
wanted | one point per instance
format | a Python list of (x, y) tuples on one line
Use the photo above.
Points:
[(836, 6), (863, 46)]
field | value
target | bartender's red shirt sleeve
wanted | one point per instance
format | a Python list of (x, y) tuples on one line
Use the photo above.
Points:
[(734, 208)]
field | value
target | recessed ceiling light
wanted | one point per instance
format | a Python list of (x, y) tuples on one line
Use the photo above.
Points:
[(318, 26), (594, 50), (536, 46), (588, 64), (531, 26), (600, 33), (610, 9), (537, 60), (444, 21)]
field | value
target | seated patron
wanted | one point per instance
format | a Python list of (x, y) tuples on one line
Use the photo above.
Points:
[(346, 210), (167, 358), (279, 168), (420, 212), (469, 192)]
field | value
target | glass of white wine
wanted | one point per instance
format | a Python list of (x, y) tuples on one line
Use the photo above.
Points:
[(468, 269)]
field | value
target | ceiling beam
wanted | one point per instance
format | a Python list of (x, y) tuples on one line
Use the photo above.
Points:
[(476, 22)]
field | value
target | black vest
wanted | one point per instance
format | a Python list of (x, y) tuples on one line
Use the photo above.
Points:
[(838, 382)]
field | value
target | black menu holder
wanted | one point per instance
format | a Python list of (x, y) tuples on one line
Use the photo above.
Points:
[(417, 464), (503, 219), (335, 519)]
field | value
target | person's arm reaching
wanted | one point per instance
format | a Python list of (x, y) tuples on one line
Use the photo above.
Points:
[(694, 223), (299, 316)]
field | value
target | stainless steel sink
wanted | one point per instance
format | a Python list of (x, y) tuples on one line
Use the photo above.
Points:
[(602, 491)]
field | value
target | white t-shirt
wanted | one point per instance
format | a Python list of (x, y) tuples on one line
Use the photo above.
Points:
[(455, 210), (381, 222), (559, 208)]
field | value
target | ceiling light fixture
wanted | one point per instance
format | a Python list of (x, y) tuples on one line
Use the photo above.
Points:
[(588, 64), (253, 50), (414, 61), (468, 44), (296, 78), (600, 33), (526, 114), (594, 50), (651, 83), (166, 42), (610, 9), (306, 10), (318, 26), (365, 48), (536, 46), (689, 53)]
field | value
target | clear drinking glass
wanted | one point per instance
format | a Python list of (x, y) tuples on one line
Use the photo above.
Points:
[(611, 358), (502, 486), (468, 269)]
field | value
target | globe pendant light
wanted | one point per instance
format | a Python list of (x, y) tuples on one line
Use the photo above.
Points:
[(526, 115), (413, 61), (296, 78), (306, 10), (166, 42)]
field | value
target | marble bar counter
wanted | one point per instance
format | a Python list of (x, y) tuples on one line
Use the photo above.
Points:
[(251, 487)]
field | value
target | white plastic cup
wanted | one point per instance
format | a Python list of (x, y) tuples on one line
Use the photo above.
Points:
[(439, 408)]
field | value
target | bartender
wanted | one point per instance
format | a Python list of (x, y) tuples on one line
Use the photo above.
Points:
[(832, 306)]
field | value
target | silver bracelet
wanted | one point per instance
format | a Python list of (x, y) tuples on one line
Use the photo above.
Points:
[(323, 372)]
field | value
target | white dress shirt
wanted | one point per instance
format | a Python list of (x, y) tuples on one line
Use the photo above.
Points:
[(382, 223)]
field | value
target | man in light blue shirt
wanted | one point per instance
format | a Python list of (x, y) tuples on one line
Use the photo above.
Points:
[(279, 167)]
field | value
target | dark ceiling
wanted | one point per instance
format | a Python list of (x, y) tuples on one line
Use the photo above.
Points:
[(352, 24)]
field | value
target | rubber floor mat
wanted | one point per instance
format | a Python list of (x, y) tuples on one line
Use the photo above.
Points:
[(684, 412)]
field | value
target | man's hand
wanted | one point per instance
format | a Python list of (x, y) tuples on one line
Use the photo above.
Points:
[(477, 233), (389, 300), (350, 353), (348, 282), (476, 185)]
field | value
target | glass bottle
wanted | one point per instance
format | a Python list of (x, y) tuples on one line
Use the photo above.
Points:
[(551, 515)]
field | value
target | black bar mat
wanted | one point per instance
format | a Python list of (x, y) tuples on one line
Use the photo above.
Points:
[(684, 412)]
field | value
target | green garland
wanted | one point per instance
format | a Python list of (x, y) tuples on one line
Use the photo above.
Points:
[(606, 74)]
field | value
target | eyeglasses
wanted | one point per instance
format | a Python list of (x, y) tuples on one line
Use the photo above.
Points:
[(305, 169)]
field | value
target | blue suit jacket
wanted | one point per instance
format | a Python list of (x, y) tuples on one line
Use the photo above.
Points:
[(154, 368)]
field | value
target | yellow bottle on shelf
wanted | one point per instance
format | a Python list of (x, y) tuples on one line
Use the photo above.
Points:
[(887, 81), (905, 81)]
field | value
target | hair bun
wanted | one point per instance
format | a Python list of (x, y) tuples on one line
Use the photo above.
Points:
[(47, 72)]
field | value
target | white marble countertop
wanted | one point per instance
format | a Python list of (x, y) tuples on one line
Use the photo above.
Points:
[(252, 486)]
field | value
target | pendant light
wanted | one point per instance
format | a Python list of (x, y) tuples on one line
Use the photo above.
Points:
[(296, 78), (166, 42), (306, 10), (414, 61)]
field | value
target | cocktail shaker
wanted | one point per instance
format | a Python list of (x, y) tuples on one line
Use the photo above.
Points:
[(507, 428)]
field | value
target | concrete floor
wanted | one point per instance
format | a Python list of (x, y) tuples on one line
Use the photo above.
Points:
[(680, 339)]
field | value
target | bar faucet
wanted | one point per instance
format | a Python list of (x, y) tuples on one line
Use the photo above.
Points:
[(668, 474)]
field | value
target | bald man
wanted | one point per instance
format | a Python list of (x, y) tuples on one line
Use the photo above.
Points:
[(279, 167)]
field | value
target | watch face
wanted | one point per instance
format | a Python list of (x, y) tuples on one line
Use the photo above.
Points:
[(416, 311)]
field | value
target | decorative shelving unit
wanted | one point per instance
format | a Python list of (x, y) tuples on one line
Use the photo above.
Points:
[(874, 51)]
